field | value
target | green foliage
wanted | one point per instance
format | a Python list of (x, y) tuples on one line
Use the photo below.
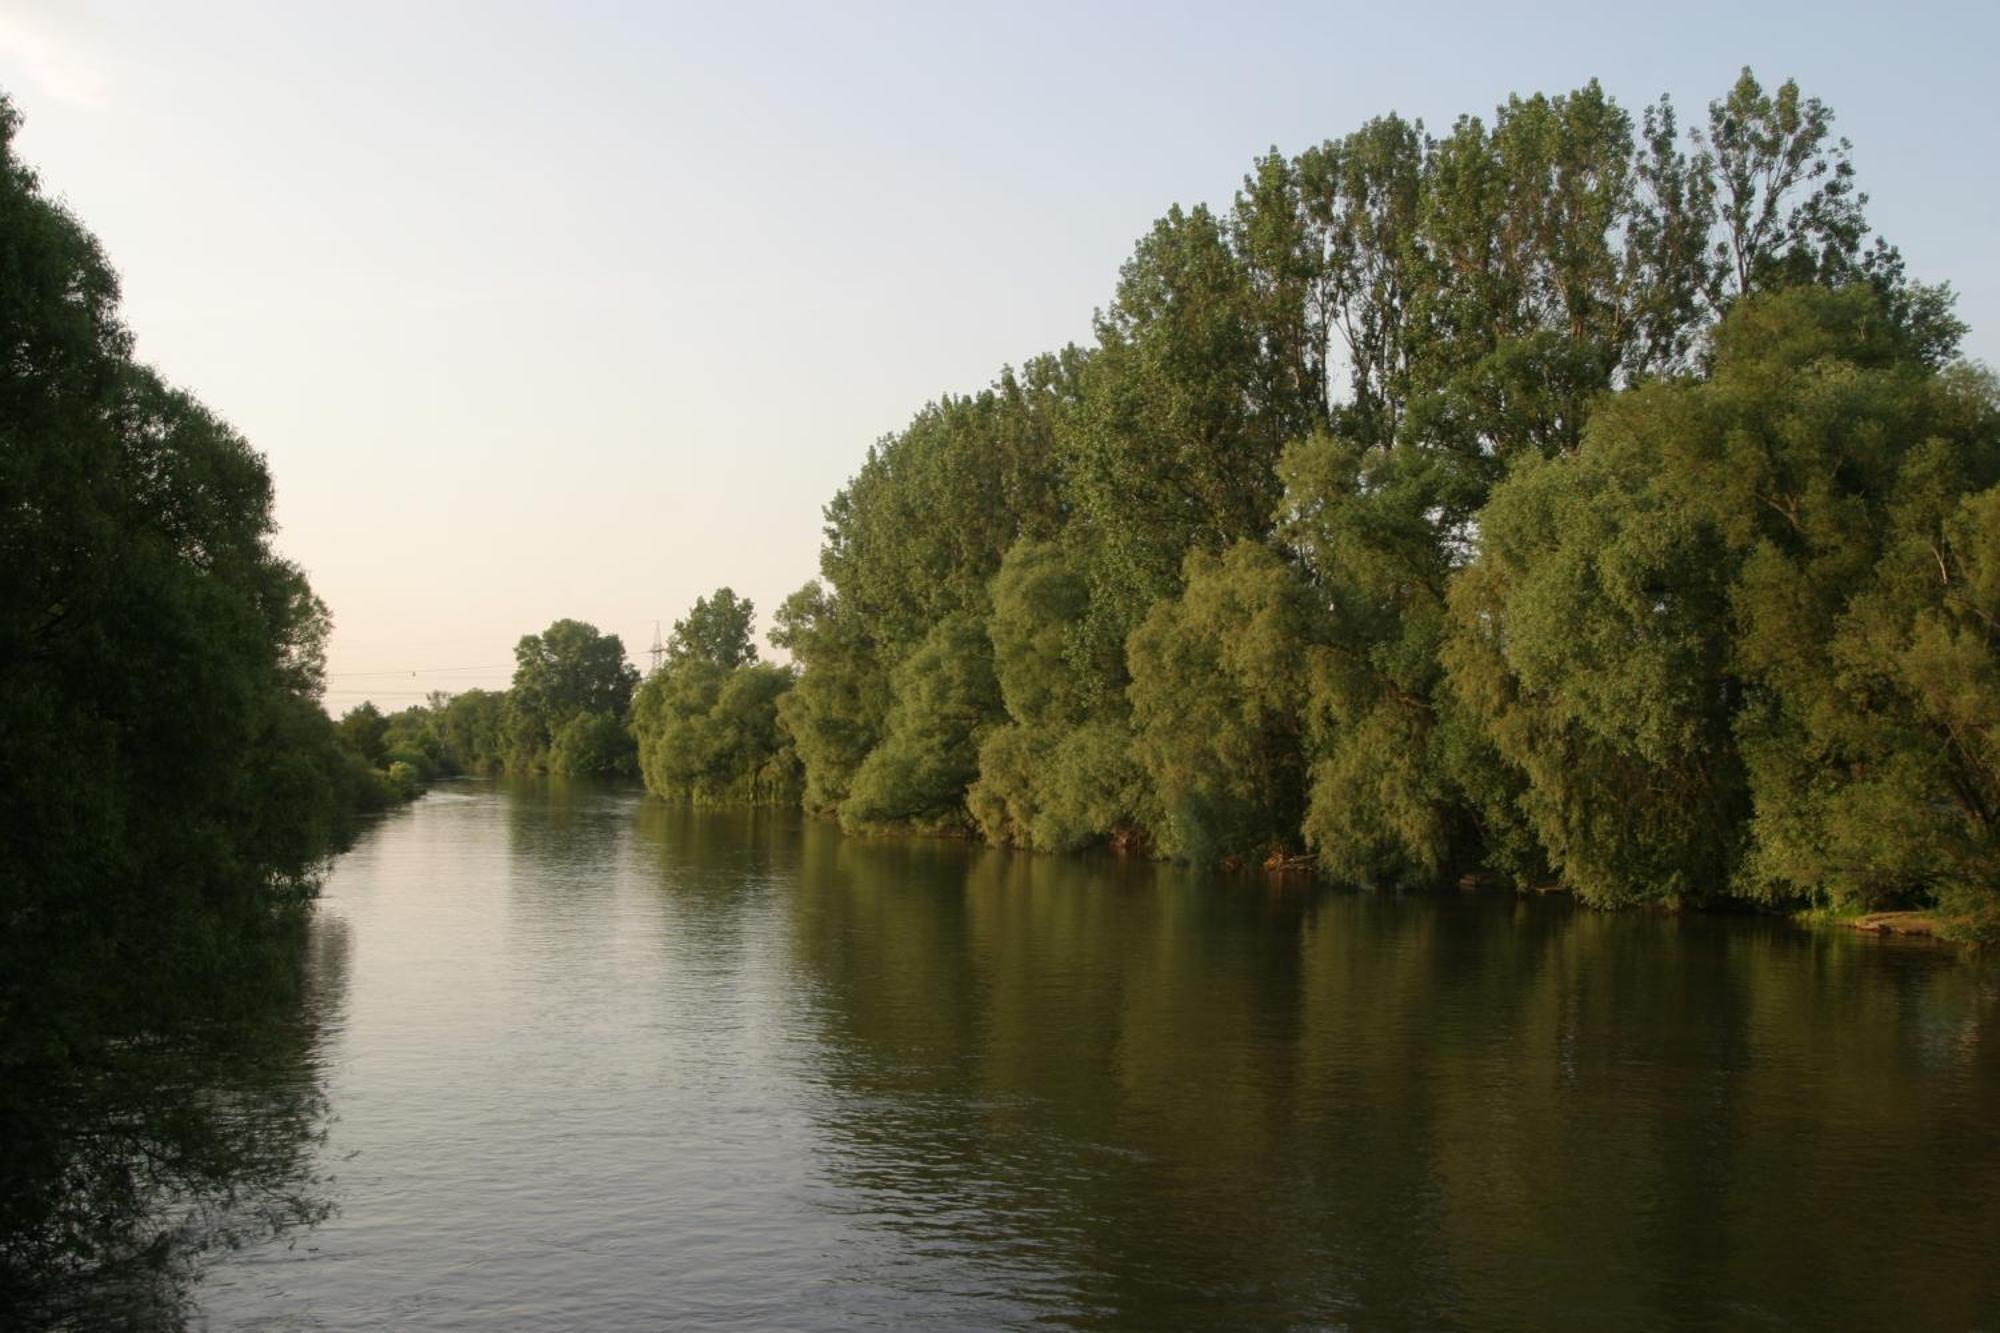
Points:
[(1490, 287), (717, 629), (363, 730), (707, 722), (415, 735), (912, 541), (944, 699), (565, 716), (1737, 643), (402, 781), (571, 668), (1866, 620), (1597, 643), (415, 741), (836, 711), (709, 734), (1179, 420), (591, 745), (157, 659), (1041, 602), (470, 726), (1357, 209), (1218, 685), (1790, 211), (1225, 558), (1059, 774), (1364, 525), (920, 530), (566, 671), (1058, 788), (1933, 653)]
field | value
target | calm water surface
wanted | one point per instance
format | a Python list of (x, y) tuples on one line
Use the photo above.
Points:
[(599, 1063)]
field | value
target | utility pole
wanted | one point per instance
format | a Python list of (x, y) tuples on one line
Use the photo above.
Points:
[(659, 650)]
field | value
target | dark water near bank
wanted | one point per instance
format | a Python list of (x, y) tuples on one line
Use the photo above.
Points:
[(594, 1062)]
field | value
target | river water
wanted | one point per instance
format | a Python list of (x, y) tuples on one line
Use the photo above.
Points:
[(594, 1062)]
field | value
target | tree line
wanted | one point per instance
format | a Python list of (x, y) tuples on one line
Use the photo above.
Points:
[(1562, 498), (703, 728), (1569, 497)]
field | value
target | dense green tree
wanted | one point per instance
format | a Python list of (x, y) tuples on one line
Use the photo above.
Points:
[(707, 722), (470, 727), (414, 736), (1790, 212), (709, 734), (1059, 788), (944, 701), (1218, 683), (1363, 524), (567, 670), (1040, 603), (364, 730), (1059, 772), (1179, 419), (836, 711), (1858, 482), (911, 541), (919, 531), (154, 650), (591, 745), (1542, 264), (1601, 605), (1422, 509), (572, 668), (1704, 638), (719, 628), (1358, 204)]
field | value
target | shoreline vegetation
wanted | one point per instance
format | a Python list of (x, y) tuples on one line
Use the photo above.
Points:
[(170, 791), (1566, 497)]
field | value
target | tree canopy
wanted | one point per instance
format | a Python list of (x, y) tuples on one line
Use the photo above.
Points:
[(1447, 504)]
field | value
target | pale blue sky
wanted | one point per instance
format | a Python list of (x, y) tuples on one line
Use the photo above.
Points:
[(550, 310)]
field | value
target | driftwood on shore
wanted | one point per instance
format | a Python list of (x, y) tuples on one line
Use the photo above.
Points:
[(1897, 923)]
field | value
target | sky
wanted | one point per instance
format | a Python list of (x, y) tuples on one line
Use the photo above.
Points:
[(584, 310)]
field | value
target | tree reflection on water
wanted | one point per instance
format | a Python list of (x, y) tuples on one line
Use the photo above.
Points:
[(148, 1124)]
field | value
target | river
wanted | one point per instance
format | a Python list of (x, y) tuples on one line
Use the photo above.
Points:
[(594, 1062)]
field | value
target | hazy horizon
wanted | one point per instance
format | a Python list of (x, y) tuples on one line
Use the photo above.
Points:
[(542, 315)]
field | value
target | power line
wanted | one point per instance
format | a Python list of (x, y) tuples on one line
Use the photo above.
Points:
[(426, 671), (387, 694), (371, 690)]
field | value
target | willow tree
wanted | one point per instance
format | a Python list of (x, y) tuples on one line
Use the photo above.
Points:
[(1742, 642), (1058, 773), (944, 700), (1218, 682), (835, 712), (709, 734), (707, 722)]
